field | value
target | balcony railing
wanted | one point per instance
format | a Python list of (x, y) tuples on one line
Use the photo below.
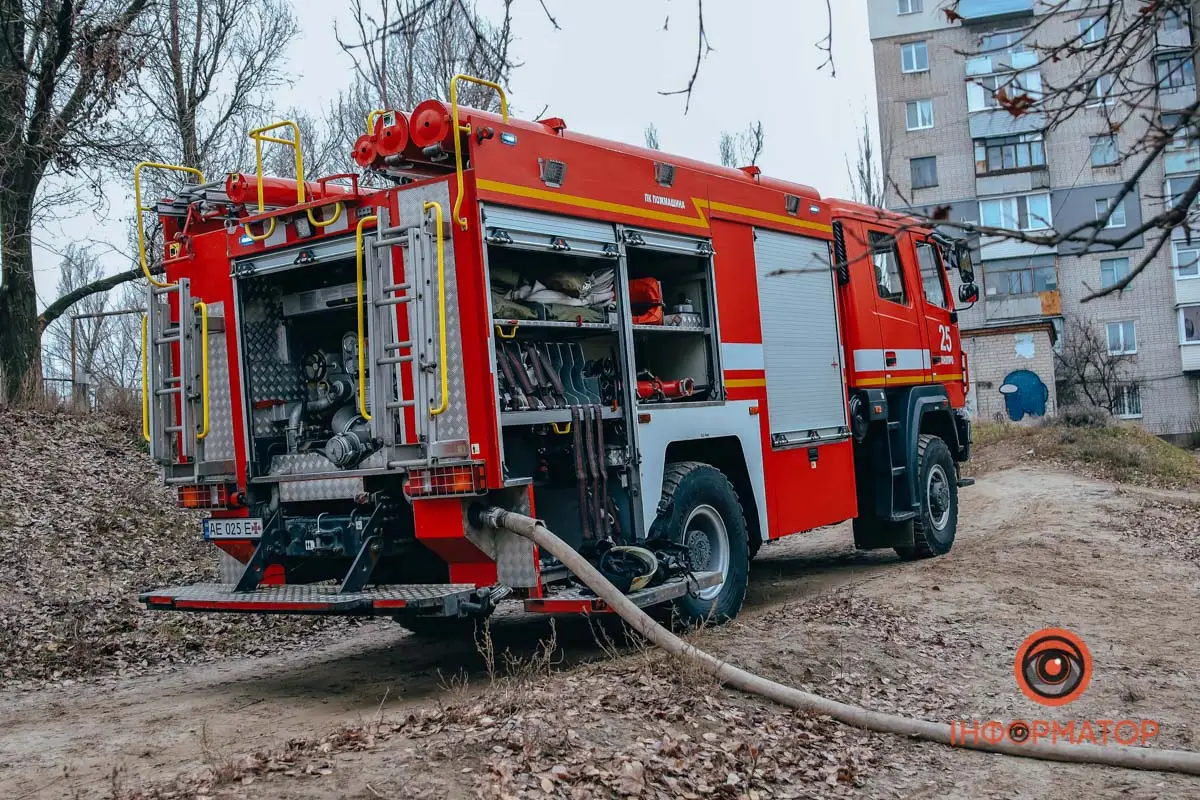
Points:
[(1176, 39), (1005, 61)]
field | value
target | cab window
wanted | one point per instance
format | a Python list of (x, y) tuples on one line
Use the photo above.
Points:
[(931, 275), (889, 278)]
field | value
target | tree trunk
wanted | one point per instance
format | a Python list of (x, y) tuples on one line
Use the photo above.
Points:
[(20, 339)]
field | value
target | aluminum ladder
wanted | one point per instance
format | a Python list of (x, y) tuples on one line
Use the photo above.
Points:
[(175, 379)]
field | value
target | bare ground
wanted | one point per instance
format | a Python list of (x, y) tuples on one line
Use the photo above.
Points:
[(381, 714)]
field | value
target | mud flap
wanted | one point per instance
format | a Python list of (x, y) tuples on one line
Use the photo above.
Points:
[(876, 534)]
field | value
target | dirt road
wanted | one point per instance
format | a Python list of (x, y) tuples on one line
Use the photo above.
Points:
[(1036, 548)]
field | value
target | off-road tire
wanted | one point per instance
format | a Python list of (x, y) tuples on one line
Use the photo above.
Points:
[(935, 527), (692, 490)]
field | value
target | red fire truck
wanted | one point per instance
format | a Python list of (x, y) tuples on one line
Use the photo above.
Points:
[(669, 362)]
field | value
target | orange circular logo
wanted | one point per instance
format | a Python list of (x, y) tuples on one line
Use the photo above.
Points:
[(1053, 666)]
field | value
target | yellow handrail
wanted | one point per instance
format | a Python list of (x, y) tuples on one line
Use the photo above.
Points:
[(362, 347), (200, 306), (500, 332), (371, 117), (139, 209), (442, 356), (337, 212), (259, 136), (145, 383), (460, 129), (270, 228)]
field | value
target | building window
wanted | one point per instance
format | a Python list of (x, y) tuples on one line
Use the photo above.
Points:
[(889, 281), (1021, 282), (1113, 271), (1009, 153), (1117, 219), (1057, 322), (924, 172), (918, 115), (1025, 213), (1175, 19), (1189, 325), (982, 91), (1006, 41), (1175, 72), (914, 57), (1184, 135), (1177, 187), (1122, 338), (931, 276), (1102, 91), (1093, 29), (1127, 401), (1104, 151), (908, 6), (1187, 259)]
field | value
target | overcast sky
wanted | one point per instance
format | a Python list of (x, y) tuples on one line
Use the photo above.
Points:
[(603, 72)]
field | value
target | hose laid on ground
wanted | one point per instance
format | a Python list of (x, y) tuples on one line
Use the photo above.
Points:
[(942, 733)]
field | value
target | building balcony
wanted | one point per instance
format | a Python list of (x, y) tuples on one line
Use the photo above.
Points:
[(1177, 39), (993, 248), (1182, 160), (1000, 122), (1190, 355), (1001, 62), (1176, 98), (1012, 182), (1010, 308), (976, 11)]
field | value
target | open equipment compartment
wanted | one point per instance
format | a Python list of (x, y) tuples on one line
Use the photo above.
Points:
[(673, 309), (299, 345)]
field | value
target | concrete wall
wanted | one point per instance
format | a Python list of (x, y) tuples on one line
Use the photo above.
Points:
[(992, 358)]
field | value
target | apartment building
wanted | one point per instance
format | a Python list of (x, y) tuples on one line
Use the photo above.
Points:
[(947, 142)]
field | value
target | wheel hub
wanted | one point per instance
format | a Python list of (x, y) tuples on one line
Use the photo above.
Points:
[(707, 542), (937, 492), (699, 549)]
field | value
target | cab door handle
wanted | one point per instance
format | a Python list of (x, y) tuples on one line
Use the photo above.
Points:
[(889, 357)]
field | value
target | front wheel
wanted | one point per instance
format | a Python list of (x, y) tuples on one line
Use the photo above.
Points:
[(935, 527), (700, 510)]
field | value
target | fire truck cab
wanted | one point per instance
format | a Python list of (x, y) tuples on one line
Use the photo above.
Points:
[(669, 362)]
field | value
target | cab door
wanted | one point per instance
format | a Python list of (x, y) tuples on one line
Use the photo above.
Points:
[(898, 305), (941, 330)]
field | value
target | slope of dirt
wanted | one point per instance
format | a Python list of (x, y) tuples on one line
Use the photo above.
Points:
[(85, 525), (381, 714)]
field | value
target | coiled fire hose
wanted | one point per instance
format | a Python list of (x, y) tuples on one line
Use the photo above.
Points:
[(1115, 756)]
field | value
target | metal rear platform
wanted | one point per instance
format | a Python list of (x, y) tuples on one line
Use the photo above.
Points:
[(435, 600), (580, 600)]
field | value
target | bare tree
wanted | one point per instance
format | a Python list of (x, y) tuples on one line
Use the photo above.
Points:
[(63, 69), (79, 267), (652, 137), (866, 176), (1085, 370), (1100, 63), (742, 149)]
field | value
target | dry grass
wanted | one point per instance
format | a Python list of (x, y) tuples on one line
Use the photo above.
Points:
[(1124, 453)]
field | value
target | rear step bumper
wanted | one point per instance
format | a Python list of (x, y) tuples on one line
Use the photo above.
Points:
[(575, 600), (435, 600)]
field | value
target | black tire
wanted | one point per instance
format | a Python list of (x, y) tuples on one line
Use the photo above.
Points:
[(701, 496), (937, 485)]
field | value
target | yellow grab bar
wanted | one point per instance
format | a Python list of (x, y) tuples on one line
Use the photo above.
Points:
[(200, 306), (500, 332), (362, 347), (267, 231), (442, 356), (460, 129), (139, 209), (561, 431), (145, 383), (371, 117), (259, 136), (337, 213)]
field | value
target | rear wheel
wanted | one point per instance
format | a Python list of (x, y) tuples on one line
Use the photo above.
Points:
[(935, 527), (700, 510)]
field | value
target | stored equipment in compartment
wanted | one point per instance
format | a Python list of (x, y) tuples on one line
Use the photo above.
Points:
[(672, 363)]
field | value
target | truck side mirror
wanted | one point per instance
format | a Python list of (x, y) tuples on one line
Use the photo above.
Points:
[(968, 293)]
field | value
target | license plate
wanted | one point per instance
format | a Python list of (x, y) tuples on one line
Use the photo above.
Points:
[(233, 528)]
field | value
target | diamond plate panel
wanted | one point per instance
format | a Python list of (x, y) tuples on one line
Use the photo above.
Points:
[(229, 569), (452, 424), (218, 445), (316, 464), (320, 489), (516, 564), (268, 372)]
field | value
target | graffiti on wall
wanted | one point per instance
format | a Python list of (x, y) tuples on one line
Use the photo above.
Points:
[(1024, 394)]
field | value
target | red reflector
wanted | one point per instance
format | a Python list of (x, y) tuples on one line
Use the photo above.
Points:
[(461, 479), (206, 495)]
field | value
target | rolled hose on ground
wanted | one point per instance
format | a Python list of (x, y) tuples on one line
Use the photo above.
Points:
[(1115, 756)]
